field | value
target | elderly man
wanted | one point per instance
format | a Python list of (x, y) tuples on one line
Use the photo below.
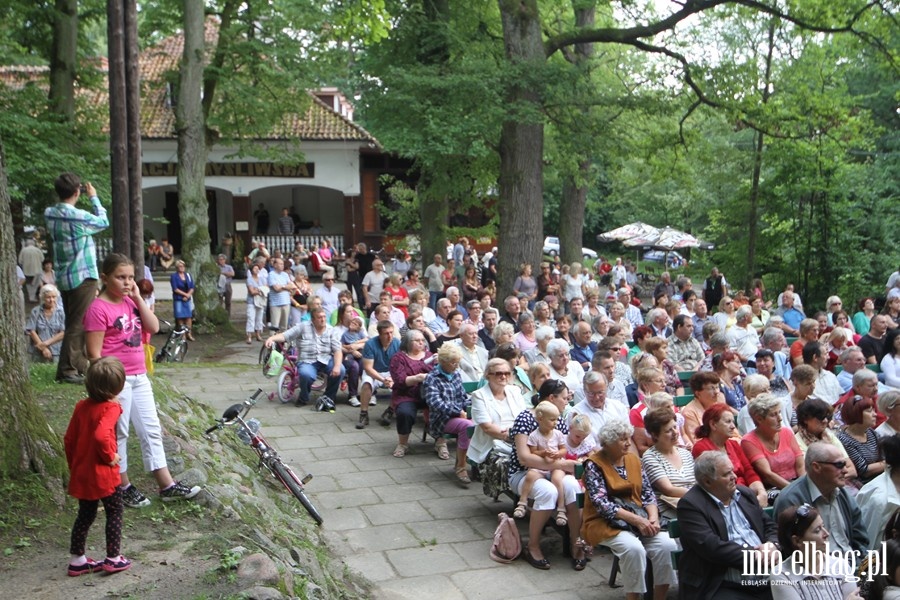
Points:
[(684, 350), (584, 348), (823, 488), (658, 321), (563, 368), (632, 313), (700, 318), (773, 339), (223, 286), (682, 285), (721, 522), (452, 295), (320, 352), (852, 360), (664, 286), (329, 294), (512, 309), (827, 386), (714, 288), (433, 281), (742, 338), (474, 357), (373, 283), (439, 324), (596, 405), (376, 362), (490, 318), (872, 344), (791, 315), (605, 364)]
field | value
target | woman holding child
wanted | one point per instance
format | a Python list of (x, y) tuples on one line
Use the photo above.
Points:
[(622, 513)]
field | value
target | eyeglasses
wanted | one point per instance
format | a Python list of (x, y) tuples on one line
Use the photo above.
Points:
[(596, 394), (837, 464), (728, 303), (501, 373), (328, 280)]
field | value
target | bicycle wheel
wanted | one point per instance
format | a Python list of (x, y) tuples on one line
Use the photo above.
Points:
[(179, 350), (264, 354), (163, 354), (286, 386), (290, 481)]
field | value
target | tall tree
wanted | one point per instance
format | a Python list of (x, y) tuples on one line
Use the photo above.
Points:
[(27, 444), (63, 57)]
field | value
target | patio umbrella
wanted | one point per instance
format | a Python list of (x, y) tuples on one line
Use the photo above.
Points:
[(627, 232), (665, 239)]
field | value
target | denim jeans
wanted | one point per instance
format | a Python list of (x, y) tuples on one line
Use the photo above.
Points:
[(310, 371)]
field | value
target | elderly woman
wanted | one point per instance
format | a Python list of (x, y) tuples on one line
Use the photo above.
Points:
[(526, 339), (494, 409), (772, 449), (860, 441), (705, 387), (543, 316), (754, 386), (409, 367), (599, 328), (727, 366), (46, 325), (669, 467), (622, 513), (864, 384), (543, 492), (542, 336), (889, 405), (760, 315), (503, 333), (562, 366), (716, 433), (183, 297), (257, 291), (726, 317), (511, 355), (877, 499), (473, 307), (447, 403), (813, 417), (592, 307), (659, 347), (617, 317), (639, 335)]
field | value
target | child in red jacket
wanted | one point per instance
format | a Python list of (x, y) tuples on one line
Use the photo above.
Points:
[(92, 453)]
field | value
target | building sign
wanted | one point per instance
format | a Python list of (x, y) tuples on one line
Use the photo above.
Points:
[(235, 169)]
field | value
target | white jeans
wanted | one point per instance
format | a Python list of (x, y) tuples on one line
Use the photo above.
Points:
[(633, 552), (139, 408), (254, 317), (544, 493)]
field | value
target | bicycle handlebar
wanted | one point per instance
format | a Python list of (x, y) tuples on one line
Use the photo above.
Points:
[(235, 410)]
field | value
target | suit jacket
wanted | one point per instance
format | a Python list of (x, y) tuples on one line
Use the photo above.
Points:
[(704, 538)]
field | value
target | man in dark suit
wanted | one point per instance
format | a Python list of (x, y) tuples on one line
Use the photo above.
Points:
[(720, 523)]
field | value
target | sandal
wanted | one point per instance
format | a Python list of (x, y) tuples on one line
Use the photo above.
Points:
[(440, 447), (521, 510), (400, 450), (561, 519), (463, 475)]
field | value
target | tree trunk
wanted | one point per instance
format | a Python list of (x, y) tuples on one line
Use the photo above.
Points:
[(521, 148), (133, 138), (27, 444), (575, 187), (192, 154), (118, 128), (433, 214), (63, 59)]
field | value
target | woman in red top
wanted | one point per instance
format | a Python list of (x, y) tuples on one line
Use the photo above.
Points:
[(93, 457), (715, 434)]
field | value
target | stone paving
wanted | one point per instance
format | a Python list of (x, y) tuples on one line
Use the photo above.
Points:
[(404, 524)]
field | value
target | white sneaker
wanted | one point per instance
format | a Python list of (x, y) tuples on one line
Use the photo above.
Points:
[(354, 401), (373, 401)]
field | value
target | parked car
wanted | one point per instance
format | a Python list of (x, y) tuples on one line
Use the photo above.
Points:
[(675, 260), (551, 247)]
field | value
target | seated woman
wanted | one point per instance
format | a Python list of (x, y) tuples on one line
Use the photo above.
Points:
[(409, 367), (727, 366), (526, 339), (447, 403), (770, 447), (876, 499), (659, 348), (46, 326), (808, 571), (669, 467), (494, 410), (860, 441), (563, 327), (650, 381), (813, 417), (544, 494), (705, 386), (890, 364), (508, 352), (613, 480), (889, 405), (716, 433), (538, 354)]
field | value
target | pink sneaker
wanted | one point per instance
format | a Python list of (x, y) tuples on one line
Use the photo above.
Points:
[(86, 569), (119, 564)]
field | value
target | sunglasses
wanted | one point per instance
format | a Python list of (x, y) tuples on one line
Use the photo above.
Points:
[(501, 373), (802, 513), (837, 464)]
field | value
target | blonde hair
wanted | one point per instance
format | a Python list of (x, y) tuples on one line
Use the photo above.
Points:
[(581, 424), (659, 400), (544, 408)]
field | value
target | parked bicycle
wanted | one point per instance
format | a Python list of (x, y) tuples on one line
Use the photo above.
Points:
[(176, 345), (248, 432), (265, 353)]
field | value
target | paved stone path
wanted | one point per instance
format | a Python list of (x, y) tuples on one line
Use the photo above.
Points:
[(405, 524)]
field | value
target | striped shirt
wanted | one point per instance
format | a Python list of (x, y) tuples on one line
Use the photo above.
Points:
[(314, 346), (74, 252)]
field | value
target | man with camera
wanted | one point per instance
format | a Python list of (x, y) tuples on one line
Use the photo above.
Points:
[(75, 261)]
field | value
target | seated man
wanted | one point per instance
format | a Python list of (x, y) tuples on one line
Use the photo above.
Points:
[(376, 362), (791, 315), (827, 386), (583, 350), (684, 349), (320, 352), (853, 360), (823, 488), (596, 406), (742, 338), (474, 357), (720, 522)]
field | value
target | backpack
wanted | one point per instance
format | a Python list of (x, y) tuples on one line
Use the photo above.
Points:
[(507, 546)]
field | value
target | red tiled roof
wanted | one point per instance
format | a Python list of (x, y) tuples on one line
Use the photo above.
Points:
[(319, 122)]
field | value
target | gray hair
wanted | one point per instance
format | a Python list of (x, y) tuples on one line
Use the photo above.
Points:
[(710, 328), (495, 362), (760, 406), (744, 312), (556, 347), (706, 464), (47, 288), (659, 400), (409, 338), (887, 401), (613, 431), (525, 318), (816, 452), (466, 327), (502, 327), (451, 290), (718, 340), (654, 313), (544, 333), (845, 355), (755, 384), (770, 336), (862, 376), (592, 377)]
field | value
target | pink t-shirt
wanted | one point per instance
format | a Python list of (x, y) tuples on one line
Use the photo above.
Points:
[(121, 327), (783, 461)]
